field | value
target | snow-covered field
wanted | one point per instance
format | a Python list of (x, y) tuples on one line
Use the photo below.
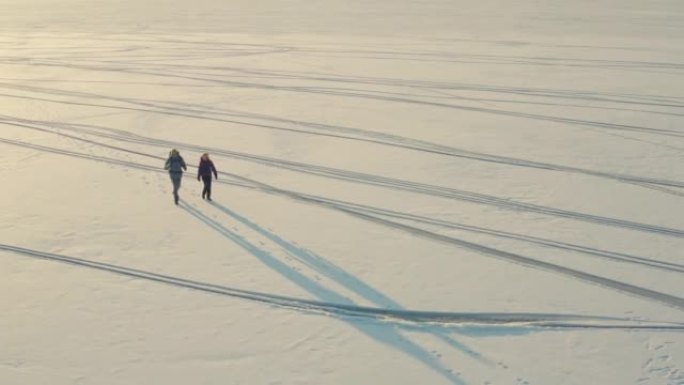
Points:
[(410, 192)]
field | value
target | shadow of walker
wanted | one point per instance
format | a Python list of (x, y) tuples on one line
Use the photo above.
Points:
[(385, 334)]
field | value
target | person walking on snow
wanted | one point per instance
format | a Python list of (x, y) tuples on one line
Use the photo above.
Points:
[(175, 165), (204, 170)]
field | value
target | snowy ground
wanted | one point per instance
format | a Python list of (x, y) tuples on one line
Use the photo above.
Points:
[(443, 192)]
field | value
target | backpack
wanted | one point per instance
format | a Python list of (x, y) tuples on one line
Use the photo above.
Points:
[(175, 164)]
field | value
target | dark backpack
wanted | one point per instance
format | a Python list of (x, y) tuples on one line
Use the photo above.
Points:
[(175, 164)]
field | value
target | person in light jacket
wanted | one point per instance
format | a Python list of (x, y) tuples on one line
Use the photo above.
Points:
[(204, 171), (175, 165)]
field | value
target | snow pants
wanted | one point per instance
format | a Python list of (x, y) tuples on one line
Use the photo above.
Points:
[(206, 192), (176, 180)]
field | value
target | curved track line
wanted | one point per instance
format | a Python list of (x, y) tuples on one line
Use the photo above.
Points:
[(380, 314)]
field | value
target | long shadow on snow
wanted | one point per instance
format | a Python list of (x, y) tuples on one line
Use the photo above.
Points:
[(671, 300), (354, 209), (362, 211), (400, 318), (387, 336), (421, 188), (337, 274), (336, 204)]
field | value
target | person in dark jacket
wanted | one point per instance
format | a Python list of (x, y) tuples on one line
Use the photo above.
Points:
[(175, 165), (204, 171)]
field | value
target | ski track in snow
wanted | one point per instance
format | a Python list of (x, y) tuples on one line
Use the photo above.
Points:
[(200, 112), (354, 93), (670, 300), (167, 68), (390, 183), (342, 310)]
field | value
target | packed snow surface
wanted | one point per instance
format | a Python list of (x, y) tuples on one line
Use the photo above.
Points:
[(409, 192)]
